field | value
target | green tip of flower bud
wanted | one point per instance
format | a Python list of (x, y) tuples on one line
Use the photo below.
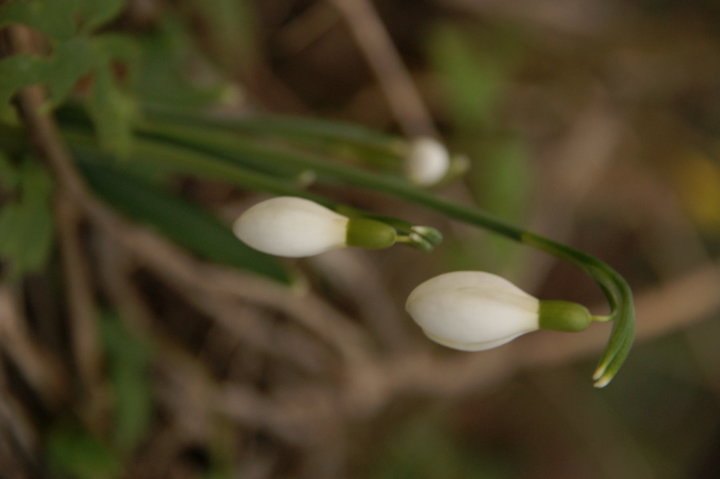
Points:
[(370, 234), (428, 233), (564, 316)]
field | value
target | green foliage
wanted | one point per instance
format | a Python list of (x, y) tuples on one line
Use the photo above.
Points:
[(503, 179), (8, 173), (70, 61), (471, 77), (75, 453), (328, 137), (423, 448), (474, 73), (128, 358), (26, 222), (112, 111), (54, 18), (75, 55), (111, 67), (60, 20), (500, 181), (162, 76), (71, 449), (17, 72), (230, 31)]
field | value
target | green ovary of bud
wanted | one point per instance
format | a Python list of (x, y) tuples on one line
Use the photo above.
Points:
[(563, 316), (370, 234)]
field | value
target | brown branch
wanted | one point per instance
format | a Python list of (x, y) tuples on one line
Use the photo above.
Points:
[(373, 39), (37, 367), (351, 275), (180, 269), (83, 314), (71, 197), (176, 266)]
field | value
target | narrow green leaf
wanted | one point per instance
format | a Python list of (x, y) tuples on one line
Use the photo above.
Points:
[(183, 222), (335, 136), (225, 146)]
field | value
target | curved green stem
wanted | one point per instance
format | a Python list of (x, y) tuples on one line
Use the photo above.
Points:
[(247, 153), (282, 126), (618, 294)]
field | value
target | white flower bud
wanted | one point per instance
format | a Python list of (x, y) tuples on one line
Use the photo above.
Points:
[(291, 227), (472, 311), (427, 161)]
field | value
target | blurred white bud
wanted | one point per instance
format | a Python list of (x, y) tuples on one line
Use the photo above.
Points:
[(291, 227), (427, 161), (472, 310)]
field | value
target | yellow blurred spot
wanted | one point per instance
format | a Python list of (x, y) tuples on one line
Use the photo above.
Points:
[(698, 183)]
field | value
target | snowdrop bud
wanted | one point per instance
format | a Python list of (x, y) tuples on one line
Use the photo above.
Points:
[(291, 227), (474, 311), (427, 161), (296, 227)]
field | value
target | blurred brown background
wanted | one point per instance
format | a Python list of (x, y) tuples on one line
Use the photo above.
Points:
[(592, 122)]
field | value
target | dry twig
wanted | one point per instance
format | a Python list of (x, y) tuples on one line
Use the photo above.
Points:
[(37, 367), (380, 52)]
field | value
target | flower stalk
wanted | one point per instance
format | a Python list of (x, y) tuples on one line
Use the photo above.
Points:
[(246, 154)]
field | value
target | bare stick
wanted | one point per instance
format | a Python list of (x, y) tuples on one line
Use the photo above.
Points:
[(37, 367), (180, 269), (380, 52), (83, 315), (70, 193)]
